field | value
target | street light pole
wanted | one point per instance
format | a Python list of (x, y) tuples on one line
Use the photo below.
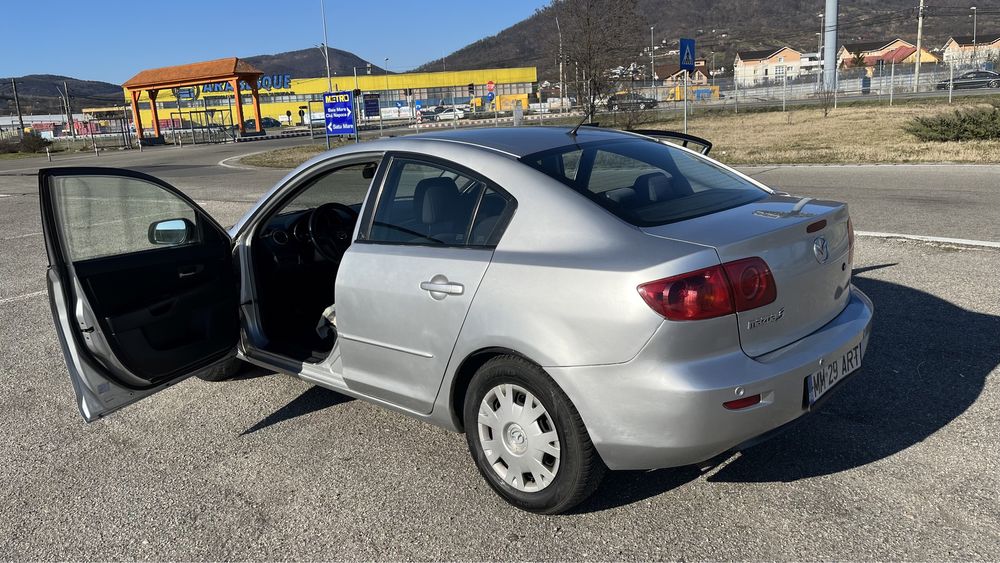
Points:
[(326, 57), (920, 36), (652, 68)]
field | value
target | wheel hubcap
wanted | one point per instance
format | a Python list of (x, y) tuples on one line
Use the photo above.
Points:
[(518, 437)]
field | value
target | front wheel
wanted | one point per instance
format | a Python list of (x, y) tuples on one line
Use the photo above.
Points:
[(527, 439), (994, 84)]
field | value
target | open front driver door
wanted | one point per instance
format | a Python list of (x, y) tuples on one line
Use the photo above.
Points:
[(141, 284)]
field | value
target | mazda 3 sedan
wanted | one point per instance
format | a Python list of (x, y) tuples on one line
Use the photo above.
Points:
[(573, 300)]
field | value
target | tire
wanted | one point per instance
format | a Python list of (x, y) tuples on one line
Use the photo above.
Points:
[(993, 84), (615, 107), (642, 105), (223, 370), (575, 470)]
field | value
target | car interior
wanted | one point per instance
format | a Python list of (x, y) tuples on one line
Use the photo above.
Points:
[(296, 255)]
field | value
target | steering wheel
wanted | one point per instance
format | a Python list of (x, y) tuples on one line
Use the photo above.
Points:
[(330, 229)]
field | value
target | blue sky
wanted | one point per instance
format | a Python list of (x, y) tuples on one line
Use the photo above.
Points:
[(111, 40)]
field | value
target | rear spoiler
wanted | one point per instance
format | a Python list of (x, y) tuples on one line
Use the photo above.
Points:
[(682, 139)]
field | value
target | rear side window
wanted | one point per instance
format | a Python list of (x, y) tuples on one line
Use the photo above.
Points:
[(645, 182), (427, 203)]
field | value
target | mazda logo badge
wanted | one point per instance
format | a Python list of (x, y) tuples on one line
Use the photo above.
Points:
[(821, 250)]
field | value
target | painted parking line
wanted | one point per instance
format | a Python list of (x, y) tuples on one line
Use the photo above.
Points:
[(924, 238), (23, 297)]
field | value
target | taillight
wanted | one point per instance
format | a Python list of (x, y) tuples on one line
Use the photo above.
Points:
[(752, 283), (712, 292), (702, 294), (850, 241)]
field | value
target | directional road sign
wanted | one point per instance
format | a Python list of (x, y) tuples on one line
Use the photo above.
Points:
[(687, 54), (338, 107), (371, 105)]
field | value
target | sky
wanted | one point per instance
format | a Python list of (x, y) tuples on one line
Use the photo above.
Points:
[(112, 40)]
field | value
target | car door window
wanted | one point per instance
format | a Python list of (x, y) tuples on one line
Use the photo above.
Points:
[(111, 215), (432, 204)]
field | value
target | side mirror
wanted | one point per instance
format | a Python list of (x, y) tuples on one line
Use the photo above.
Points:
[(171, 231)]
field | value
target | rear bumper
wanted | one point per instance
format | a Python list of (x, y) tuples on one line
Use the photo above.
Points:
[(651, 413)]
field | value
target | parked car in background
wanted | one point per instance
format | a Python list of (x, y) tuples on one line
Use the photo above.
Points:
[(265, 122), (449, 114), (972, 79), (574, 300), (630, 101)]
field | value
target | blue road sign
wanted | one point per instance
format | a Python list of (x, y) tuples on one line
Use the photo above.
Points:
[(338, 107), (399, 104), (371, 105), (417, 105), (490, 96), (687, 54)]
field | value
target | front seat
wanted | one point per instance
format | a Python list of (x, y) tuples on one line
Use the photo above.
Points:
[(438, 208)]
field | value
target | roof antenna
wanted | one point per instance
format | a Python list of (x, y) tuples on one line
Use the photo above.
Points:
[(572, 132)]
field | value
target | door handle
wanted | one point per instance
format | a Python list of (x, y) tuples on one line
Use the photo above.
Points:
[(440, 287), (188, 271)]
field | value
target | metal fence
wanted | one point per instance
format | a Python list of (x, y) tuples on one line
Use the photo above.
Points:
[(883, 82)]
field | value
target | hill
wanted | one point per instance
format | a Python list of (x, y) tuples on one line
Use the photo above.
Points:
[(40, 93), (309, 63), (720, 26)]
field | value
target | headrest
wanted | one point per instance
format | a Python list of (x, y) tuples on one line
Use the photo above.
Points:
[(656, 186), (436, 199)]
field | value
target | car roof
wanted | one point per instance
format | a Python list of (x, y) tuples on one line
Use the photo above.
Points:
[(522, 141)]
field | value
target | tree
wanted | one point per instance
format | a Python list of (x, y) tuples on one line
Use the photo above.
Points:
[(858, 61), (597, 36)]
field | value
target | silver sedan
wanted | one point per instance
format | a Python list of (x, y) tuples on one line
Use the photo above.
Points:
[(574, 300)]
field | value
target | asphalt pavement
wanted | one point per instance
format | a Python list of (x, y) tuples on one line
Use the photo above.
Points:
[(900, 464)]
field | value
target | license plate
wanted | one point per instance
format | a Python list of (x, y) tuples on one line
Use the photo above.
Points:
[(831, 372)]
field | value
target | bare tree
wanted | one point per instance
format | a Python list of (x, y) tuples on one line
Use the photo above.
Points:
[(597, 36)]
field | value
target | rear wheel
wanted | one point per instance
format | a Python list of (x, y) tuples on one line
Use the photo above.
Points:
[(615, 107), (527, 439), (642, 105)]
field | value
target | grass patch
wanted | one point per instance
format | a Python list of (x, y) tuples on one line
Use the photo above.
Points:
[(868, 133), (286, 158)]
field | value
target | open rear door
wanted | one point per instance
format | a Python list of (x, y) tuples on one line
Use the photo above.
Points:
[(141, 284)]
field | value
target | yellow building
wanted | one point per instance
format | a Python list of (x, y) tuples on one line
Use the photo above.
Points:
[(283, 96)]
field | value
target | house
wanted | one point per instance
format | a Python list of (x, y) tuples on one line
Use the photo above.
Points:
[(672, 75), (963, 50), (850, 51), (900, 55), (767, 65)]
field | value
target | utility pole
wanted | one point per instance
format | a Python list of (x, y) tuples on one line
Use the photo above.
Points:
[(17, 108), (561, 90), (920, 38), (69, 111), (975, 54), (819, 51), (652, 68), (326, 57), (830, 46)]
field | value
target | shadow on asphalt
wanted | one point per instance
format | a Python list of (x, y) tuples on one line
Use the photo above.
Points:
[(927, 362), (311, 400)]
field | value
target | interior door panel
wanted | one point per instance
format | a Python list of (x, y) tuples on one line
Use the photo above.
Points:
[(164, 311), (135, 313)]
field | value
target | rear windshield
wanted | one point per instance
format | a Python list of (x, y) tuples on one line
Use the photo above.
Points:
[(644, 182)]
